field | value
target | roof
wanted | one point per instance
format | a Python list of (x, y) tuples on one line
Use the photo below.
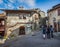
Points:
[(58, 5), (18, 11), (2, 16), (54, 8)]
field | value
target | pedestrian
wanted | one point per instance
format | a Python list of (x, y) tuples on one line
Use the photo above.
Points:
[(51, 30), (44, 31), (48, 32)]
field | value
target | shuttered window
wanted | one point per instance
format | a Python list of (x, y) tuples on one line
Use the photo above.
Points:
[(58, 12)]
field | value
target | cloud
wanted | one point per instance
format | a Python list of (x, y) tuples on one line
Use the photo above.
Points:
[(30, 3), (12, 1), (1, 1), (9, 6), (13, 4)]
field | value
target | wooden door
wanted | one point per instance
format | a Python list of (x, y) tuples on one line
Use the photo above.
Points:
[(22, 30), (55, 26)]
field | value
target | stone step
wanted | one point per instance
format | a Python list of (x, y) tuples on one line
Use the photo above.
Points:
[(2, 41)]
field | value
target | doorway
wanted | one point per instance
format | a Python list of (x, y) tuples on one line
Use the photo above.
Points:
[(55, 26), (22, 30), (2, 27)]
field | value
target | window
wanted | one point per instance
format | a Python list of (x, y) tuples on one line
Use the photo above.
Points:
[(28, 15), (50, 14), (20, 16), (58, 12), (36, 18), (9, 14), (54, 19), (24, 17)]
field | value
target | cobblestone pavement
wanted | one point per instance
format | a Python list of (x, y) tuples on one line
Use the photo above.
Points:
[(35, 40)]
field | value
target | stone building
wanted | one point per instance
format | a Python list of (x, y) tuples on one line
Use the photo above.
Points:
[(54, 17), (21, 22), (42, 17)]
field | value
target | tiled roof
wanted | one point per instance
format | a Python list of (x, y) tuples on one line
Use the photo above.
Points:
[(27, 11), (54, 8)]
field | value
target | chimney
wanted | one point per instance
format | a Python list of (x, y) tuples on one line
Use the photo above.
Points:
[(21, 8)]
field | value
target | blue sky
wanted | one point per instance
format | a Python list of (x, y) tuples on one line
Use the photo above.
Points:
[(44, 5)]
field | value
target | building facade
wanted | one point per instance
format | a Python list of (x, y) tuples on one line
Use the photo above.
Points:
[(21, 22), (42, 17), (54, 17)]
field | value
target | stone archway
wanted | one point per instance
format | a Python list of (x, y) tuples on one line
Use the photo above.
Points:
[(22, 30)]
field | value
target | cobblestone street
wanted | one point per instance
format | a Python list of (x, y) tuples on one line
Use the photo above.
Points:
[(32, 41)]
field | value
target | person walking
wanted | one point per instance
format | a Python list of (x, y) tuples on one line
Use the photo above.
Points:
[(51, 30), (44, 32), (48, 32)]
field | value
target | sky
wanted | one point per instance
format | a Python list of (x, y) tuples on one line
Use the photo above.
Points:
[(44, 5)]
